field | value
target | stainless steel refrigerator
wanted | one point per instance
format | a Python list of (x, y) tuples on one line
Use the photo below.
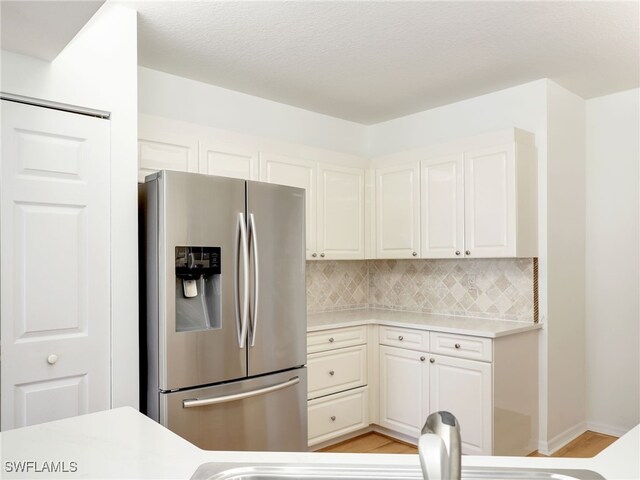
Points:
[(223, 318)]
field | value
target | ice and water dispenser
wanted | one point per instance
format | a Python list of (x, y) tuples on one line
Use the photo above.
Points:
[(198, 288)]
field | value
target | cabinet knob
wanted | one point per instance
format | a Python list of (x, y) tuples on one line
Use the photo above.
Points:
[(432, 360), (331, 340), (333, 418), (467, 252), (322, 255), (51, 359), (332, 373), (400, 337), (422, 359), (457, 252), (314, 255), (415, 254), (457, 345)]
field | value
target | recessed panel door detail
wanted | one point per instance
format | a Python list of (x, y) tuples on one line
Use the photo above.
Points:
[(490, 202), (166, 151), (442, 212), (217, 158), (55, 269), (398, 211)]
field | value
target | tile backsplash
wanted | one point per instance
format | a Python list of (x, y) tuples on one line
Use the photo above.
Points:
[(497, 288)]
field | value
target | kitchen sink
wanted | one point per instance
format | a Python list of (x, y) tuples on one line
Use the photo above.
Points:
[(309, 471)]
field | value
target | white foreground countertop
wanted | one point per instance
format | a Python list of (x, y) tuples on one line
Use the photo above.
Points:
[(123, 443), (479, 327)]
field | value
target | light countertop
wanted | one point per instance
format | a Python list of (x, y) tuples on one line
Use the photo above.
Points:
[(123, 443), (480, 327)]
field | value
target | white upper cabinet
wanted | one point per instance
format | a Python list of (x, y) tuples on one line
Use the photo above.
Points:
[(295, 172), (227, 160), (340, 212), (500, 201), (165, 150), (442, 207), (335, 203), (398, 211)]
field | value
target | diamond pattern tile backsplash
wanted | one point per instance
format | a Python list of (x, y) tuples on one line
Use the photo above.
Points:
[(496, 288)]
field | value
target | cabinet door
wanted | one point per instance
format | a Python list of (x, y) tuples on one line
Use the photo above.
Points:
[(442, 207), (398, 211), (463, 387), (163, 150), (340, 212), (226, 160), (490, 202), (55, 271), (404, 390), (299, 173)]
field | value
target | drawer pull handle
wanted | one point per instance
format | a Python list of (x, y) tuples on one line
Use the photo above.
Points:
[(331, 340), (400, 337), (457, 345), (422, 359), (332, 373), (432, 360), (333, 418)]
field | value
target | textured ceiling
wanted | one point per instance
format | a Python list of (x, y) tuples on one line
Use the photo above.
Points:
[(42, 29), (373, 61)]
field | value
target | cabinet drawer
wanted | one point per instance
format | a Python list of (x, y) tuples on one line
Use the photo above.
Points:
[(462, 346), (404, 338), (336, 338), (337, 415), (336, 370)]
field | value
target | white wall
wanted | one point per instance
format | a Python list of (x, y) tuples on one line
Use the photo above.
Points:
[(98, 69), (165, 95), (612, 262), (523, 106), (565, 270)]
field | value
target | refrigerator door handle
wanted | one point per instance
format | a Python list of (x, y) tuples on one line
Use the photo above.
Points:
[(203, 402), (253, 241), (242, 257)]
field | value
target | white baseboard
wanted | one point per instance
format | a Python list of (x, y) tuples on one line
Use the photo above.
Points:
[(613, 430), (560, 440)]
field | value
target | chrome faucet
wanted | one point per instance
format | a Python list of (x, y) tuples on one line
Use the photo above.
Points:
[(439, 447)]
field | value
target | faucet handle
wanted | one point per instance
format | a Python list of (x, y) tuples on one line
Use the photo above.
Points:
[(444, 426), (433, 457)]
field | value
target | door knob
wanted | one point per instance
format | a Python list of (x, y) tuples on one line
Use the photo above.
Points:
[(467, 252), (432, 360), (457, 252), (314, 255), (457, 345), (422, 359), (333, 418), (400, 337), (415, 254), (332, 373), (51, 359), (322, 255)]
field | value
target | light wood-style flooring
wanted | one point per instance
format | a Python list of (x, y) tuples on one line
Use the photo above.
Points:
[(586, 445)]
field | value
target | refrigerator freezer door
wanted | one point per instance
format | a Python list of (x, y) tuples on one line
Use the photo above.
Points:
[(205, 211), (278, 319), (267, 413)]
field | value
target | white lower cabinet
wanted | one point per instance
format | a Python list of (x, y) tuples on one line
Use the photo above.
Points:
[(489, 384), (337, 383), (463, 387), (404, 390), (338, 414)]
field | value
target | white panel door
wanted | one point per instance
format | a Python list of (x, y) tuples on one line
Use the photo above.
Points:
[(398, 211), (404, 390), (55, 273), (490, 201), (226, 160), (299, 173), (166, 150), (463, 387), (442, 207), (340, 212)]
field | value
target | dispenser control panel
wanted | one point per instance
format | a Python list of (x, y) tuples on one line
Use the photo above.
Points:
[(194, 262)]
